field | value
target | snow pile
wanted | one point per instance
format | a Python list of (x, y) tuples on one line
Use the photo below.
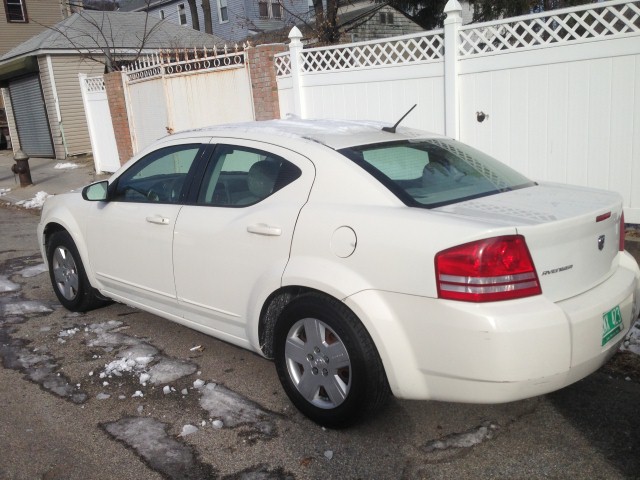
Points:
[(66, 166), (35, 202)]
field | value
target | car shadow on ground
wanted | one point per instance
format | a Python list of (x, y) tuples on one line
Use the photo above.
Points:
[(605, 408)]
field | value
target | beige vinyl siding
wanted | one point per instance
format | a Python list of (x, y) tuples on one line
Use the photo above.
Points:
[(39, 13), (73, 131)]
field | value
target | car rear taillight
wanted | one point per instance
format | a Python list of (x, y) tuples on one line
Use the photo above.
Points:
[(621, 244), (488, 270)]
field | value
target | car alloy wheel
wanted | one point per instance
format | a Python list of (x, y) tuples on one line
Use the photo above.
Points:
[(318, 363)]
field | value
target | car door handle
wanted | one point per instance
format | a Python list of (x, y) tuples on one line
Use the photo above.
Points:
[(263, 229), (158, 219)]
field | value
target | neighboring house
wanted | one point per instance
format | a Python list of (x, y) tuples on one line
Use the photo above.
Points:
[(366, 21), (39, 78), (357, 21), (20, 20), (233, 20)]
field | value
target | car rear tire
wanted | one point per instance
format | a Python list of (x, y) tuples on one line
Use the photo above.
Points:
[(68, 277), (327, 362)]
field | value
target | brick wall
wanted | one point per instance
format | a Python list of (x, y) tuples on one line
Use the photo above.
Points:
[(119, 117), (263, 80)]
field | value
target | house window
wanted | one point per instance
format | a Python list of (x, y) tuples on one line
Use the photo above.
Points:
[(276, 10), (386, 18), (223, 11), (16, 11), (182, 13), (161, 14), (270, 9)]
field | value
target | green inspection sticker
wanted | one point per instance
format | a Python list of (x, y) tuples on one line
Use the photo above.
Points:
[(611, 324)]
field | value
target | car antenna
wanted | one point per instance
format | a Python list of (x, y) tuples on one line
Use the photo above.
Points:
[(393, 129)]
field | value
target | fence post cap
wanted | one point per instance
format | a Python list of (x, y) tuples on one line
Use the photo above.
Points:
[(453, 6), (295, 34)]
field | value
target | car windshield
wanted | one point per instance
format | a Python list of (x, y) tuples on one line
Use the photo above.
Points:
[(435, 172)]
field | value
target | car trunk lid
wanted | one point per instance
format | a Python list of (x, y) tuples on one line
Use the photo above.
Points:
[(572, 232)]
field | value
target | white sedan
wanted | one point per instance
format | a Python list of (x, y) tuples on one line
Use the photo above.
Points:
[(365, 262)]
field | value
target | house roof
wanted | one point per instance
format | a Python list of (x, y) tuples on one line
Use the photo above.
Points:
[(125, 31), (138, 5)]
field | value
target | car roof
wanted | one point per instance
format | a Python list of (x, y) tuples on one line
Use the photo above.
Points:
[(336, 134)]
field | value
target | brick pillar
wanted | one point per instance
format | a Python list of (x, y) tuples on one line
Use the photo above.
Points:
[(117, 104), (263, 80)]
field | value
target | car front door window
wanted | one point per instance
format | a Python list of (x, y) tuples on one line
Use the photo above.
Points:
[(157, 178)]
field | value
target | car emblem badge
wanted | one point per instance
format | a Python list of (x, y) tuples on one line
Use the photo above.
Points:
[(600, 242)]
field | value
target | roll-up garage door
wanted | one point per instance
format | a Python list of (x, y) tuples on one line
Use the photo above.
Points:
[(31, 117)]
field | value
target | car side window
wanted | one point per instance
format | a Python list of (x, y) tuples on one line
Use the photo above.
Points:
[(242, 176), (158, 177)]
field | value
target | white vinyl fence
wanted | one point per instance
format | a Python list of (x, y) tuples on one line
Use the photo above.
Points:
[(166, 95), (96, 107), (556, 95)]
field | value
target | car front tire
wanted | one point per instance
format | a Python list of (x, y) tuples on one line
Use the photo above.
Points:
[(327, 362), (68, 276)]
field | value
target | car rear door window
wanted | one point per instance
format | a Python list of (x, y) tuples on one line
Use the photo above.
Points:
[(241, 176)]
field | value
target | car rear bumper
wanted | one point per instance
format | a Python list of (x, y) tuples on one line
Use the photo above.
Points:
[(495, 352)]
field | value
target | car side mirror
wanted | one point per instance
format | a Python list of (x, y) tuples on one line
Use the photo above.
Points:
[(96, 192)]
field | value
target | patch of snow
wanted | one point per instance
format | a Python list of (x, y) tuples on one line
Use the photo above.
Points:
[(231, 407), (138, 393), (217, 424), (463, 440), (103, 396), (68, 333), (198, 383), (188, 430), (166, 455), (103, 327), (328, 454), (33, 271), (632, 341), (25, 308), (166, 390), (169, 370), (66, 166), (7, 285), (144, 378), (35, 202), (184, 391), (4, 191)]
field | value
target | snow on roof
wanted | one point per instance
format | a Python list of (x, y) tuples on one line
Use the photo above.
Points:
[(333, 133)]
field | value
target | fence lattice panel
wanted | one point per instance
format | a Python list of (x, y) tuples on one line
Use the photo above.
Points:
[(570, 25)]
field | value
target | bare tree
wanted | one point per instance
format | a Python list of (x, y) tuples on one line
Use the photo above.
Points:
[(195, 22), (97, 39), (206, 11)]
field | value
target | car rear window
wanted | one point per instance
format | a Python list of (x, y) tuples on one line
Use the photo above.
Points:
[(435, 172)]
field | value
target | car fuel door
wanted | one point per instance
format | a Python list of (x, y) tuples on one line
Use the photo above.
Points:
[(231, 247)]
